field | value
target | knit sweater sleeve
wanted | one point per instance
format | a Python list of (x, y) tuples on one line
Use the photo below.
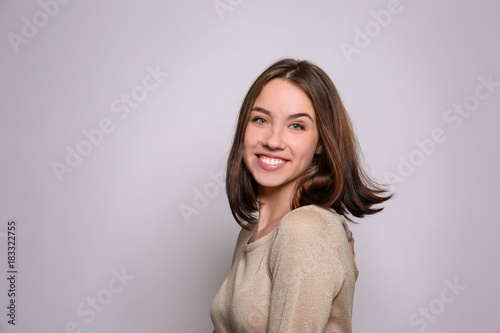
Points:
[(307, 271)]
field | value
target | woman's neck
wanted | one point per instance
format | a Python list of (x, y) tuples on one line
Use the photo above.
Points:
[(274, 203)]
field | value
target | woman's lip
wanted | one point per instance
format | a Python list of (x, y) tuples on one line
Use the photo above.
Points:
[(270, 167), (272, 156)]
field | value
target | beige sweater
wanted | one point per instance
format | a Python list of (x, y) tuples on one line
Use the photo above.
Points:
[(298, 278)]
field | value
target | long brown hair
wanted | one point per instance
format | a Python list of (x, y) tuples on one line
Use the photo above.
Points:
[(335, 177)]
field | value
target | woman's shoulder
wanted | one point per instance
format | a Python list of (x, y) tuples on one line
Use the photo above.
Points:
[(313, 218), (311, 231), (312, 215)]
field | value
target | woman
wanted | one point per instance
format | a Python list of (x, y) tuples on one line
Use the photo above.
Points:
[(292, 176)]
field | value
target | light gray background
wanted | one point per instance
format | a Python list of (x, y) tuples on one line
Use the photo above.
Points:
[(120, 208)]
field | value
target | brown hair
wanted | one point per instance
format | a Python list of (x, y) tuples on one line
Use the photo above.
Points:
[(335, 177)]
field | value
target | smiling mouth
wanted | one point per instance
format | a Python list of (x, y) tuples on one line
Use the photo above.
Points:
[(271, 161)]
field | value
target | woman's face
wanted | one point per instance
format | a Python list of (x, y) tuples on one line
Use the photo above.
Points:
[(281, 136)]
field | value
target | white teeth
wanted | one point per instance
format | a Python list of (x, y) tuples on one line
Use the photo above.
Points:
[(271, 161)]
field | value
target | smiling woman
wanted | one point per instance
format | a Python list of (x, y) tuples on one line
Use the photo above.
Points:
[(293, 178), (281, 136)]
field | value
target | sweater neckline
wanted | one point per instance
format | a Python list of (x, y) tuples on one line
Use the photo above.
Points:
[(263, 240), (259, 242)]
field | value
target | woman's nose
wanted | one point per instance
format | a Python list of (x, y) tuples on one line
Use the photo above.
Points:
[(274, 139)]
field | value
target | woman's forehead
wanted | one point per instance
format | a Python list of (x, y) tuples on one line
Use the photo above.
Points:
[(280, 97)]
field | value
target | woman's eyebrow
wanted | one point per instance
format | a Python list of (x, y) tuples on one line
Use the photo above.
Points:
[(259, 109), (292, 116), (298, 115)]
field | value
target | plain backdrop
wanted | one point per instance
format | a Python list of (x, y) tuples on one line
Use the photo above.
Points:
[(116, 120)]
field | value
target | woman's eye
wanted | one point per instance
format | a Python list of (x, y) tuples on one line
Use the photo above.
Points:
[(260, 120), (296, 127)]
